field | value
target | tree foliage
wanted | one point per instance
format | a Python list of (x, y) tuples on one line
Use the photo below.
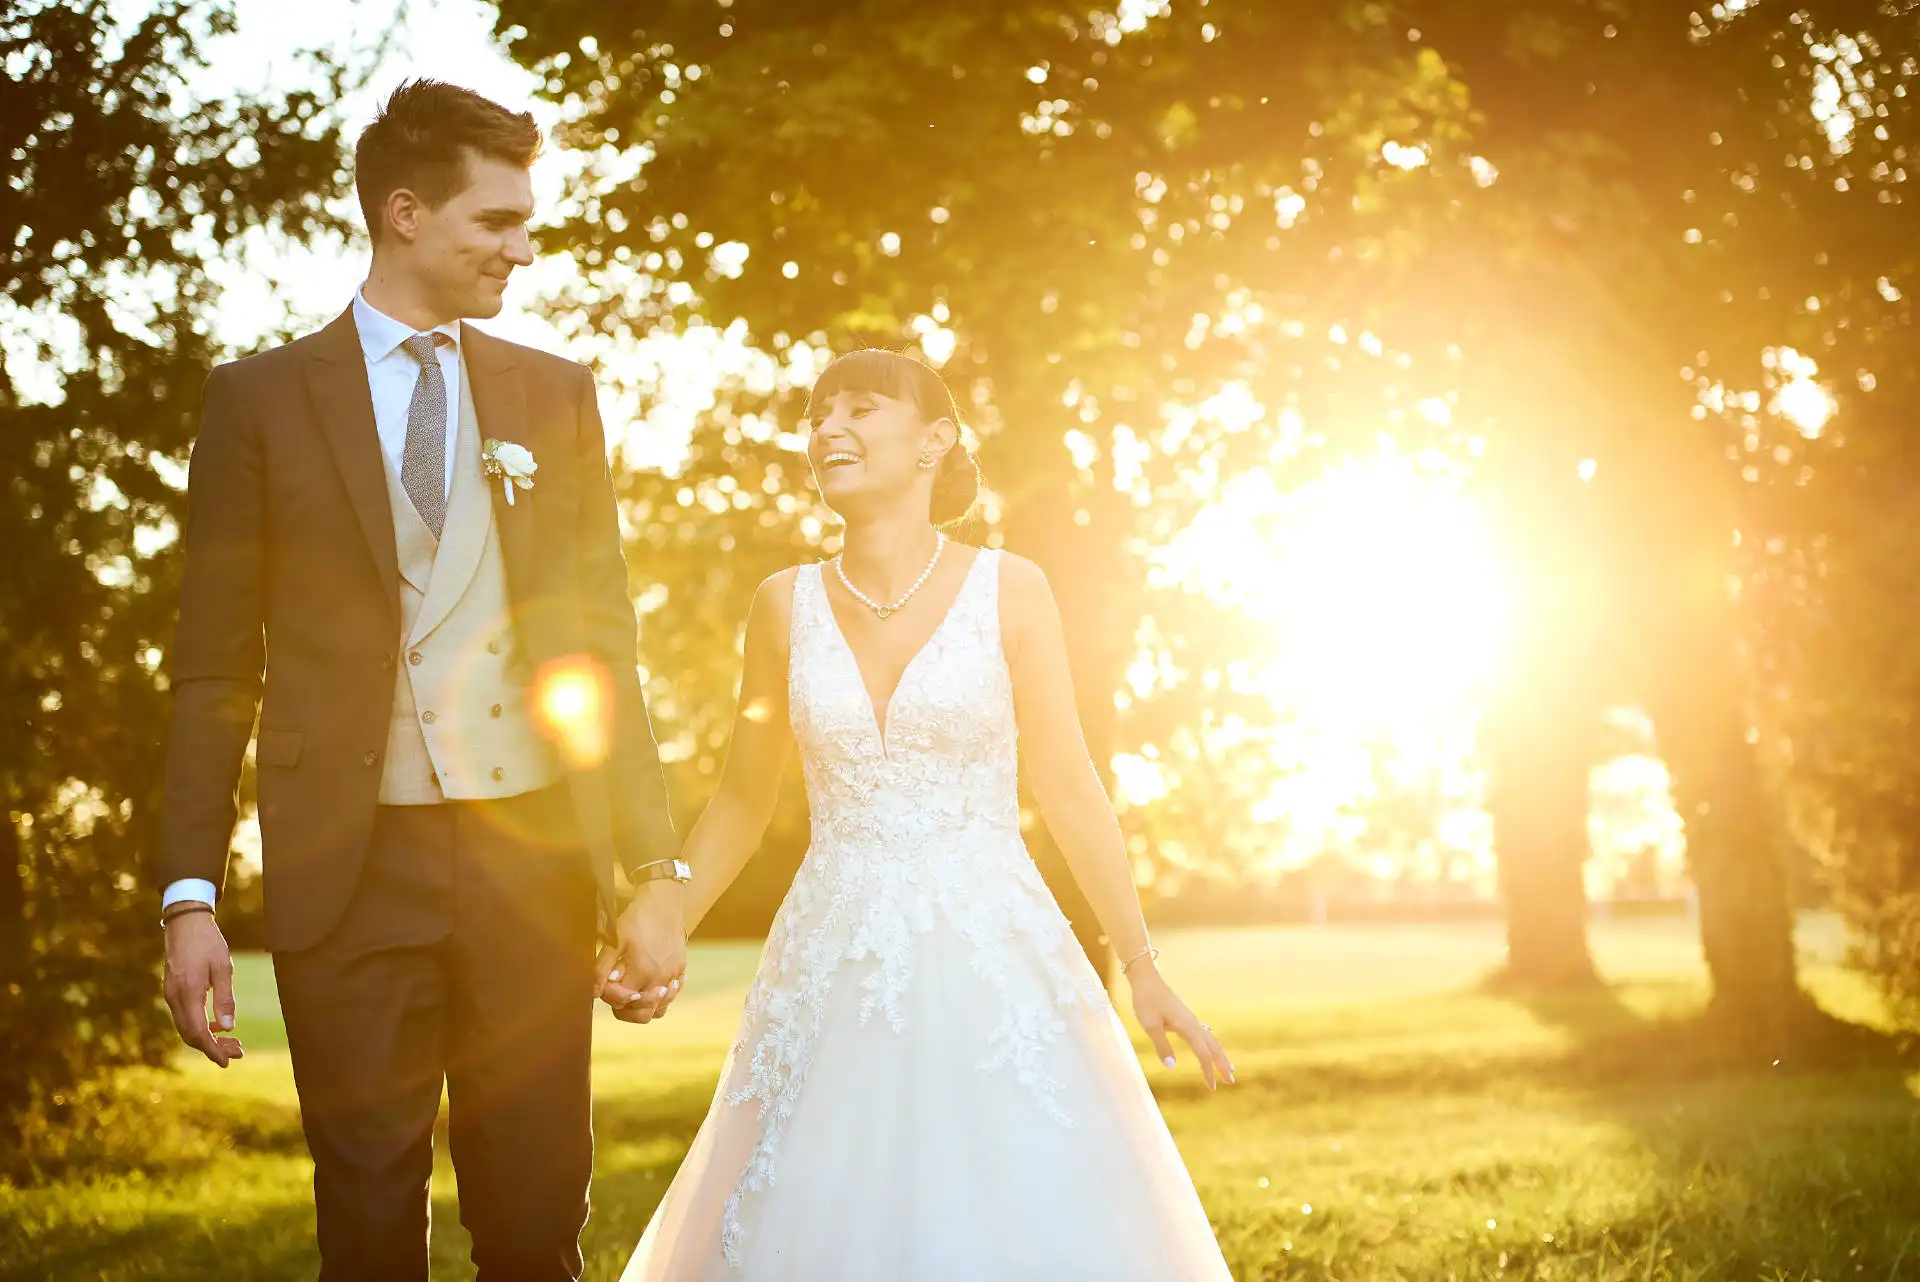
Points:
[(120, 189), (731, 513), (1585, 225)]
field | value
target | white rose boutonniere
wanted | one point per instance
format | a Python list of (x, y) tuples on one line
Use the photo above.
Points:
[(512, 464)]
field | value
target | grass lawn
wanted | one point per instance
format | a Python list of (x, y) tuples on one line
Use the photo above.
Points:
[(1391, 1122)]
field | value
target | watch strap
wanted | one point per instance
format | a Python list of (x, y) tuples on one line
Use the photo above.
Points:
[(660, 870)]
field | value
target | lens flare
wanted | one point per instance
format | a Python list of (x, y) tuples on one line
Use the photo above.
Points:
[(574, 708)]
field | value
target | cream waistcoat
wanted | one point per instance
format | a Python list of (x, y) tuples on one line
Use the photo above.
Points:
[(463, 725)]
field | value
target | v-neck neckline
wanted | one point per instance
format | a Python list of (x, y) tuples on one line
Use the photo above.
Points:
[(880, 716)]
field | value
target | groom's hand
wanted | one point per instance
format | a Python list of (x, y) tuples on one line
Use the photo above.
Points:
[(198, 963), (641, 975)]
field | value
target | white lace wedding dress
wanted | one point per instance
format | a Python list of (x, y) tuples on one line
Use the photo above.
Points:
[(929, 1082)]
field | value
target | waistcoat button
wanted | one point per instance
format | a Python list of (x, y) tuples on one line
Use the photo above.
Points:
[(428, 717), (371, 758)]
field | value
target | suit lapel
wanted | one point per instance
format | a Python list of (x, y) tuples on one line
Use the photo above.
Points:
[(500, 403), (337, 381), (412, 539), (464, 538)]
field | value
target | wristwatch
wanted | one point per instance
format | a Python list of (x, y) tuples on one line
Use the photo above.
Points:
[(661, 870)]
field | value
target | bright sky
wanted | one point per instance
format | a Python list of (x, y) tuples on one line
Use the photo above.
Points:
[(270, 283), (444, 39)]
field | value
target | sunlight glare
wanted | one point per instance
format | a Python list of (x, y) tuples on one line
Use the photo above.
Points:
[(1384, 600), (1402, 156), (575, 710), (1800, 399), (1381, 587)]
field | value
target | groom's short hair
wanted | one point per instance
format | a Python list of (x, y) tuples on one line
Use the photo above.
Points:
[(421, 140)]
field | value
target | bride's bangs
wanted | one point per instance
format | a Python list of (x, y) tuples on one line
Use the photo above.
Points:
[(879, 372)]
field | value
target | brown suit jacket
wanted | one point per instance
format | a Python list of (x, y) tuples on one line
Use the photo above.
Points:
[(290, 608)]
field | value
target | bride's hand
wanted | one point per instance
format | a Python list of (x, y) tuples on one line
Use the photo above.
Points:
[(640, 977), (1160, 1011)]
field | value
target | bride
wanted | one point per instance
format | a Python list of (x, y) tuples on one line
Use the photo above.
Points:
[(929, 1081)]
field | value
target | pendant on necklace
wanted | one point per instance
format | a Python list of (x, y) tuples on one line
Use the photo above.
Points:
[(887, 611)]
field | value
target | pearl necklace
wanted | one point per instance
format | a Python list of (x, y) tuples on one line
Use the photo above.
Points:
[(886, 611)]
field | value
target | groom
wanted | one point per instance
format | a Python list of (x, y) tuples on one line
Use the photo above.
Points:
[(402, 554)]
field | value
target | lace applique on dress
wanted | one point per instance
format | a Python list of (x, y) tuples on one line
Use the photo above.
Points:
[(916, 823)]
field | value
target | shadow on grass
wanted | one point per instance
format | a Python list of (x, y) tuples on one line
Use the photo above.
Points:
[(1664, 1058), (120, 1132), (1455, 1137), (1737, 1170), (1792, 1154), (276, 1243)]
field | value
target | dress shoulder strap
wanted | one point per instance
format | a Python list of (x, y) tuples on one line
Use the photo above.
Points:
[(979, 602), (803, 615)]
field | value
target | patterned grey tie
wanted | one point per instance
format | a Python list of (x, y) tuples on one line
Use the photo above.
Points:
[(423, 462)]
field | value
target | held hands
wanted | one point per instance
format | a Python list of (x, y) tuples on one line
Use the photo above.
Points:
[(198, 962), (641, 975), (1160, 1011)]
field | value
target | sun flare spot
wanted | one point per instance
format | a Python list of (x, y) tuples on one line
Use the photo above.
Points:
[(1380, 601), (574, 708), (1381, 588)]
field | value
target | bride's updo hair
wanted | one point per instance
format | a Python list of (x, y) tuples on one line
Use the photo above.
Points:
[(879, 372)]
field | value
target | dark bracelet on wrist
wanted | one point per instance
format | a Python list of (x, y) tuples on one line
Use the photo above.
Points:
[(185, 908)]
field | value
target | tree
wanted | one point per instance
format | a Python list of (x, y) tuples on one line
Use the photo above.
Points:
[(1828, 565), (1844, 699), (118, 194), (1707, 257), (1111, 217)]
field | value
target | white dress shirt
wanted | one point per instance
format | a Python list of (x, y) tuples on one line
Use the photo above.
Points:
[(391, 375)]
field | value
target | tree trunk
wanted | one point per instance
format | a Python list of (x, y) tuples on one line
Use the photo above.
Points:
[(13, 960), (1537, 795), (1733, 851), (1746, 919), (1541, 728)]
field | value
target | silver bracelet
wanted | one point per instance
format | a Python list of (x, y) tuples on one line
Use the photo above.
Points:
[(1149, 953)]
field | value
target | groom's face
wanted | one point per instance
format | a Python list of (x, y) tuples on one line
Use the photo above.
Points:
[(467, 248)]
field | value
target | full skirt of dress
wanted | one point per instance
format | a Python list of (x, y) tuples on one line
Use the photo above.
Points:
[(975, 1119)]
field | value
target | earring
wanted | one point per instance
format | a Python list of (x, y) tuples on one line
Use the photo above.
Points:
[(929, 461)]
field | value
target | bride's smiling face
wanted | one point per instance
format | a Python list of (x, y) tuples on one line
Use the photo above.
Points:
[(866, 447)]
